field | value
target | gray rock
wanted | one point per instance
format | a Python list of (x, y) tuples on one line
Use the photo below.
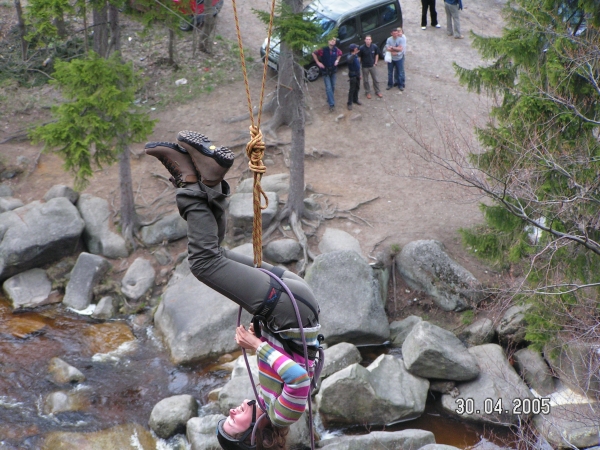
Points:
[(570, 425), (382, 274), (279, 183), (37, 234), (511, 327), (399, 329), (98, 237), (28, 289), (105, 309), (382, 440), (9, 203), (200, 432), (189, 333), (425, 266), (241, 212), (577, 364), (244, 249), (64, 373), (168, 229), (438, 447), (63, 401), (180, 272), (138, 279), (497, 385), (283, 251), (381, 394), (339, 357), (163, 257), (432, 352), (484, 444), (349, 298), (534, 370), (60, 190), (170, 415), (443, 387), (88, 271), (337, 240), (238, 388), (479, 332), (5, 190)]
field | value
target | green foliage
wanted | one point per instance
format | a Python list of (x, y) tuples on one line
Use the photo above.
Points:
[(301, 31), (98, 119), (542, 153), (467, 317), (41, 17)]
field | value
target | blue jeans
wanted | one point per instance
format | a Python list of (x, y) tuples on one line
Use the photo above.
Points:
[(330, 88), (398, 77)]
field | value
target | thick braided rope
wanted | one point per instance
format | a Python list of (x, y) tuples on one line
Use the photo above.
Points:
[(255, 148)]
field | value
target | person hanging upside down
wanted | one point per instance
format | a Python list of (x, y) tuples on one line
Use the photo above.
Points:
[(198, 169)]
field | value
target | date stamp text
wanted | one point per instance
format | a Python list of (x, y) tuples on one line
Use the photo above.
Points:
[(519, 406)]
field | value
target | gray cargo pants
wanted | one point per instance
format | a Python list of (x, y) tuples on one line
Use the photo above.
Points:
[(232, 274)]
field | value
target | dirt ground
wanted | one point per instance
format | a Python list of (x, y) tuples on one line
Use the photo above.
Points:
[(368, 154)]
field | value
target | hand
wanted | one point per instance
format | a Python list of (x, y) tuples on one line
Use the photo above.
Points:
[(321, 65), (246, 338), (336, 62)]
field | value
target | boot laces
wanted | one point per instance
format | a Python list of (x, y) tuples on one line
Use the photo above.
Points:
[(173, 170)]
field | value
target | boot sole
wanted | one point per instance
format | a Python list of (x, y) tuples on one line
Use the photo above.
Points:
[(170, 145), (221, 155)]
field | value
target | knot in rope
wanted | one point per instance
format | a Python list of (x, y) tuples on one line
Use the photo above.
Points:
[(255, 149)]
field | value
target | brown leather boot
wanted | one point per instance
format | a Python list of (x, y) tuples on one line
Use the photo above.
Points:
[(212, 163), (177, 161)]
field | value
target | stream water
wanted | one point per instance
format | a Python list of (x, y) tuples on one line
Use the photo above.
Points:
[(122, 386)]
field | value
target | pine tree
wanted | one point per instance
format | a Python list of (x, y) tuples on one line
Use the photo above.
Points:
[(97, 122), (540, 162)]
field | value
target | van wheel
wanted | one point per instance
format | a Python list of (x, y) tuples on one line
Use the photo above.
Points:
[(186, 25), (313, 72)]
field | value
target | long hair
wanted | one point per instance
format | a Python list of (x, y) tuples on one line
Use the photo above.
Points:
[(268, 436)]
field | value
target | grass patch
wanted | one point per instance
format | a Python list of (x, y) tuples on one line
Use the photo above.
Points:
[(467, 317)]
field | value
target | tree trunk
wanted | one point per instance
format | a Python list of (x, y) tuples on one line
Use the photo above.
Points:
[(21, 26), (61, 27), (171, 47), (115, 31), (85, 28), (129, 222), (100, 18), (209, 26)]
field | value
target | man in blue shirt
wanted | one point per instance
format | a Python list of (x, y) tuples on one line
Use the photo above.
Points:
[(327, 58), (396, 45), (354, 75)]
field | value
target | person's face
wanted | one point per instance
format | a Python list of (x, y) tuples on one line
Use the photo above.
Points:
[(368, 40), (239, 419), (399, 33), (332, 42), (395, 33)]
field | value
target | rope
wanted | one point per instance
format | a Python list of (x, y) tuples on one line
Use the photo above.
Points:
[(255, 148)]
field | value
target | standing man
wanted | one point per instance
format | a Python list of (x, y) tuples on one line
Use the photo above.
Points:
[(396, 44), (425, 4), (354, 76), (327, 58), (369, 55), (453, 8)]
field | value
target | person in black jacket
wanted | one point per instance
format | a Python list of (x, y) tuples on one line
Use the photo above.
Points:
[(354, 76), (369, 56), (327, 58)]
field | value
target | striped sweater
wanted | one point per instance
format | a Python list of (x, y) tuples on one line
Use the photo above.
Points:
[(284, 383)]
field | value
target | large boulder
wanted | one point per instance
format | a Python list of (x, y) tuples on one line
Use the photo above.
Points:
[(570, 425), (279, 183), (37, 234), (98, 237), (432, 352), (170, 415), (169, 228), (28, 289), (511, 327), (334, 240), (338, 357), (495, 395), (241, 212), (9, 203), (189, 332), (138, 279), (350, 299), (381, 440), (535, 371), (60, 190), (425, 266), (200, 432), (380, 394), (478, 333), (88, 271), (239, 387), (577, 364), (283, 251), (400, 329)]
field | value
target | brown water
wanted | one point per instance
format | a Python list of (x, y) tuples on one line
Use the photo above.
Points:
[(122, 389)]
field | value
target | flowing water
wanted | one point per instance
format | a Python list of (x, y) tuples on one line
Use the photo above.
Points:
[(127, 372)]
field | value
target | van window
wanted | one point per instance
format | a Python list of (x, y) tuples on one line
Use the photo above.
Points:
[(388, 13), (368, 21), (347, 30)]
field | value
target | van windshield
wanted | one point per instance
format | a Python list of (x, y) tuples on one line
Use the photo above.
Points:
[(326, 23)]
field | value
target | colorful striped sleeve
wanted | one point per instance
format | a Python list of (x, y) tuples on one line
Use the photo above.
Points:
[(285, 405)]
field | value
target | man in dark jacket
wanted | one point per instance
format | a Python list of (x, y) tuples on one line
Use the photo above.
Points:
[(369, 55), (354, 75), (327, 58)]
